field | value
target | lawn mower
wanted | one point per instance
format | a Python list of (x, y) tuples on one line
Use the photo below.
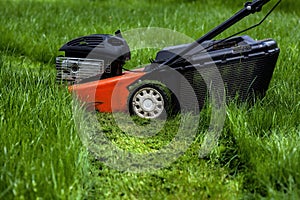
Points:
[(93, 68)]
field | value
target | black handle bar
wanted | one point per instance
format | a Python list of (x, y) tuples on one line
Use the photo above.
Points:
[(256, 5), (249, 8)]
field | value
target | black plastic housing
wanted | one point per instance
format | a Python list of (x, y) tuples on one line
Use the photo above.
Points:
[(246, 67), (98, 46), (84, 54)]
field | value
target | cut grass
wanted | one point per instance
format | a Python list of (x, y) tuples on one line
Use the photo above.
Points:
[(43, 157)]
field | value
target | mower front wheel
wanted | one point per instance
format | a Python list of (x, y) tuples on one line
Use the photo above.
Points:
[(150, 101)]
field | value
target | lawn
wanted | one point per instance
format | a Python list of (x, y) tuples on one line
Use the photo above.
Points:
[(43, 157)]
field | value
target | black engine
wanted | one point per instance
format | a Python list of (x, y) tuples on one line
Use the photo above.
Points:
[(92, 57)]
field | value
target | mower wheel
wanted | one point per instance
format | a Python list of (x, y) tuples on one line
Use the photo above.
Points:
[(150, 101)]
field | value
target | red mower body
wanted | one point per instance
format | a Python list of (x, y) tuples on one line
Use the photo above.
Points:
[(97, 95)]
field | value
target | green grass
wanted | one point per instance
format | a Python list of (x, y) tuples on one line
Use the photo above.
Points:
[(42, 156), (40, 150)]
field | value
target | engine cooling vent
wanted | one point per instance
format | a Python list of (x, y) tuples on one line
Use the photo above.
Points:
[(74, 70), (91, 41)]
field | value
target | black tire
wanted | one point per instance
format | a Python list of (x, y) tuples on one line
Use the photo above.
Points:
[(150, 101)]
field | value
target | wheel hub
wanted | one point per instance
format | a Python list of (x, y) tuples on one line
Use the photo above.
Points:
[(148, 103)]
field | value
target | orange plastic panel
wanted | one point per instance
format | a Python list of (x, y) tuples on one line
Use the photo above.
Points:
[(106, 95)]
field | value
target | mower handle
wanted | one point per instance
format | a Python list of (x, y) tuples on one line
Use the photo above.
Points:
[(256, 5), (249, 8)]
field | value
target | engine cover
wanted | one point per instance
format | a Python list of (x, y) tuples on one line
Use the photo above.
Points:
[(92, 57)]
